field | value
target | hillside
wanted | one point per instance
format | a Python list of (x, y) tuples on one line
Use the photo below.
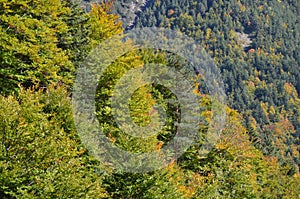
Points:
[(256, 46), (87, 112)]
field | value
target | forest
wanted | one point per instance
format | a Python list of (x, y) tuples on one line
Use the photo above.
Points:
[(46, 46)]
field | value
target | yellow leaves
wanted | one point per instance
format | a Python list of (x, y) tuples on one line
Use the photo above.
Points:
[(82, 151), (208, 116), (297, 176), (196, 90), (103, 25), (264, 107), (111, 138), (157, 3), (178, 179), (272, 162), (234, 121), (141, 106), (33, 36), (272, 50), (188, 191), (243, 8), (289, 89), (235, 140), (208, 33), (258, 51), (232, 34), (159, 145), (272, 110), (250, 85), (223, 145), (268, 19)]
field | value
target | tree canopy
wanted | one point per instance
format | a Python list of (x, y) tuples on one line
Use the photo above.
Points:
[(255, 45)]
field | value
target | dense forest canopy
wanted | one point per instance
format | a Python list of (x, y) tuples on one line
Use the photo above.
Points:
[(254, 45)]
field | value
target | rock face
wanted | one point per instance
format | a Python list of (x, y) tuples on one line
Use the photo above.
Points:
[(244, 39), (128, 10)]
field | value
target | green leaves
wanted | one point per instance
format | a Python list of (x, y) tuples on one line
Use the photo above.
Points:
[(29, 33), (40, 153), (42, 42)]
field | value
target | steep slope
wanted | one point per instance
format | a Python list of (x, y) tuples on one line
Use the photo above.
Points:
[(256, 46)]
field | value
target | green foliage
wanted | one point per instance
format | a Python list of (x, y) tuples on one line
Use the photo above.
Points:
[(256, 46), (160, 184), (40, 153), (29, 52), (76, 41)]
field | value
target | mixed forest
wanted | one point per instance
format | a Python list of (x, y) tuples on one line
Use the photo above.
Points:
[(255, 45)]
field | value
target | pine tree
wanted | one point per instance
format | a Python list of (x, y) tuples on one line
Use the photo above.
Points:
[(76, 40)]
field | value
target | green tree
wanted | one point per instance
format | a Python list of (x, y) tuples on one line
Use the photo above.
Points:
[(29, 36), (41, 156)]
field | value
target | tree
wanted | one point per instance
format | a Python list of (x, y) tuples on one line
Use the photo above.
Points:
[(41, 156), (103, 25), (29, 52), (76, 40)]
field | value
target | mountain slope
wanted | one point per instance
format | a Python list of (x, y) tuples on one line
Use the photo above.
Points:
[(256, 45)]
